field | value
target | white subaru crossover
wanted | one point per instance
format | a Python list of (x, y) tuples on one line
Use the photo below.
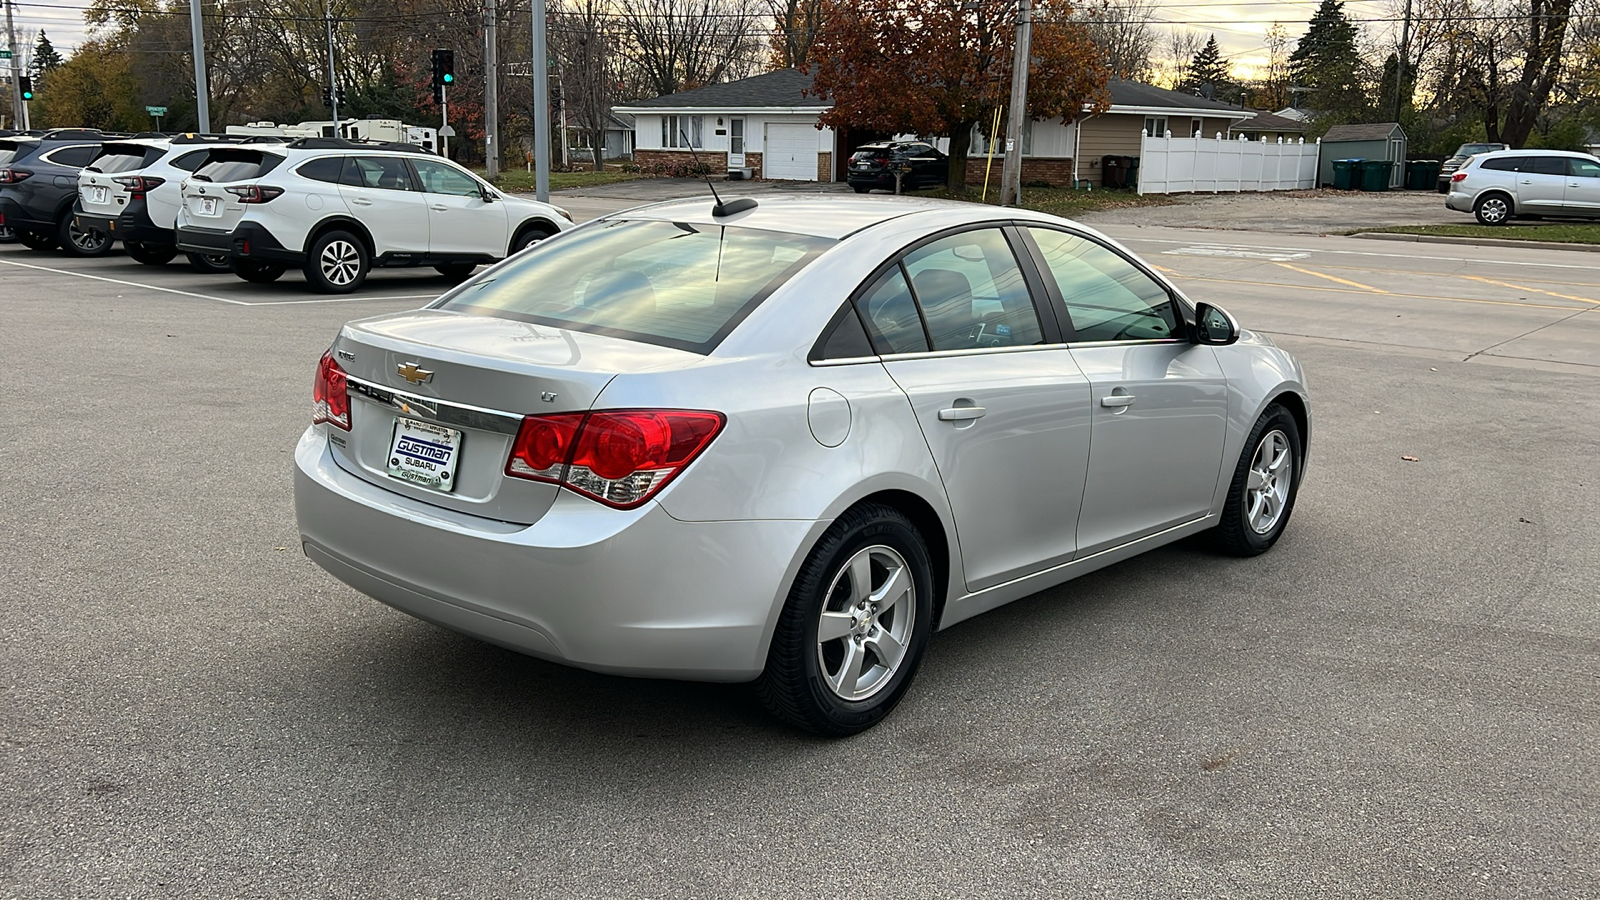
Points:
[(336, 208)]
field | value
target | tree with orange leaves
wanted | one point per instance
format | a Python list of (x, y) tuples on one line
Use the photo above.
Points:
[(944, 66)]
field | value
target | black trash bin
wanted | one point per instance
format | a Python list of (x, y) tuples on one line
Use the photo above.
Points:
[(1113, 173)]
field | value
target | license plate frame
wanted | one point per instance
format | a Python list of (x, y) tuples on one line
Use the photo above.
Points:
[(208, 206), (424, 454), (97, 195)]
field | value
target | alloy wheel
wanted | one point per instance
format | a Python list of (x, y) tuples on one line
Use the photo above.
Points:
[(88, 241), (1267, 488), (340, 262), (1493, 210), (866, 622)]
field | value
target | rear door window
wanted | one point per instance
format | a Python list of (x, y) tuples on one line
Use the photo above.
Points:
[(891, 314), (972, 292), (76, 157), (386, 173), (1547, 165), (675, 284)]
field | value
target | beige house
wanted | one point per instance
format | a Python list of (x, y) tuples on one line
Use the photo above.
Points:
[(769, 125)]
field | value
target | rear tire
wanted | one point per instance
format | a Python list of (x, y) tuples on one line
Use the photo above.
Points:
[(854, 628), (456, 274), (150, 255), (861, 188), (257, 272), (36, 240), (209, 265), (1265, 483), (1492, 209), (7, 235), (81, 242), (337, 263)]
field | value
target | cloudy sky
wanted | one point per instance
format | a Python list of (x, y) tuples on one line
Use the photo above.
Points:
[(1239, 26)]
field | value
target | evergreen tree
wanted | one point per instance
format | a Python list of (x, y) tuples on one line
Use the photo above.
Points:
[(1208, 72), (1325, 66), (45, 57)]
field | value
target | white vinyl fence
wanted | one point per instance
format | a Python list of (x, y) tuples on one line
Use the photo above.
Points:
[(1169, 165)]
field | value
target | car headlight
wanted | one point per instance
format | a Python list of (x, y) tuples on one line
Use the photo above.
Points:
[(563, 213)]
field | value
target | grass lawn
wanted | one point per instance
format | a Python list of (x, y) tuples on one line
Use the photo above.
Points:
[(1058, 201), (520, 181), (1561, 232)]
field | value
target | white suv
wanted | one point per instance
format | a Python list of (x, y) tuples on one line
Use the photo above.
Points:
[(1495, 187), (130, 192), (336, 208)]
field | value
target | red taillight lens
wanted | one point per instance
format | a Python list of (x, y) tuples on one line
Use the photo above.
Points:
[(619, 457), (251, 193), (1459, 176), (12, 176), (138, 184), (330, 396)]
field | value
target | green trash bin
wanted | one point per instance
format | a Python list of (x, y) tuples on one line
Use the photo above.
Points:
[(1427, 175), (1374, 175), (1344, 174)]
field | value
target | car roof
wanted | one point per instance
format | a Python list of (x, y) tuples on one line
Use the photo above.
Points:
[(1505, 153), (820, 215)]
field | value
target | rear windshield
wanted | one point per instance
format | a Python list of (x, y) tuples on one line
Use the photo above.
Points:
[(10, 150), (1470, 149), (124, 159), (871, 153), (237, 165), (669, 283)]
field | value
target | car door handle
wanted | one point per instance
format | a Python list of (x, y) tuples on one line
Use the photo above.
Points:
[(441, 207), (361, 201), (961, 413), (1116, 400)]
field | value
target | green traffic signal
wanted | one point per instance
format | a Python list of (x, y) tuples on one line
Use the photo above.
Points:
[(26, 83), (449, 78)]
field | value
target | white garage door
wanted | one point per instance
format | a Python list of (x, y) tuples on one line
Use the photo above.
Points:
[(791, 153)]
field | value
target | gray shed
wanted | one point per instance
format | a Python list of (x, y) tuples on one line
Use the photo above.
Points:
[(1379, 140)]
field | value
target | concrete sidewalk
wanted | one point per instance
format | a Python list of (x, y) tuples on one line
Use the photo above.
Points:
[(1294, 212)]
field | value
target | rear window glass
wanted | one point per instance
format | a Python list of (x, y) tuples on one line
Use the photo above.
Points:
[(1504, 164), (8, 152), (75, 157), (326, 169), (237, 165), (191, 161), (673, 284), (120, 159)]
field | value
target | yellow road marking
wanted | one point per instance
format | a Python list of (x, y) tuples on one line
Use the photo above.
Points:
[(1532, 290), (1334, 290), (1335, 278)]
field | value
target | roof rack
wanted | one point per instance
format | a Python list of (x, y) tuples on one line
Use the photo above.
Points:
[(83, 134), (192, 137), (327, 143)]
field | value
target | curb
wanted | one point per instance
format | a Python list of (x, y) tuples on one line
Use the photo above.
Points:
[(1482, 242)]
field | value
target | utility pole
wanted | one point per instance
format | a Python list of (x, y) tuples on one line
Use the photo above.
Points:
[(202, 90), (1011, 170), (1400, 62), (491, 93), (19, 107), (333, 78), (541, 106)]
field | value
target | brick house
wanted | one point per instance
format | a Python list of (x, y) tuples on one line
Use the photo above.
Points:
[(769, 124)]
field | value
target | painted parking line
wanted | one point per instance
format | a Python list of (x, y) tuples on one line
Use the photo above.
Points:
[(1396, 294), (213, 297), (362, 299), (1230, 251)]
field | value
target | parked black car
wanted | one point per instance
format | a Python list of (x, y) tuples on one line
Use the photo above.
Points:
[(873, 166), (38, 185), (1455, 161)]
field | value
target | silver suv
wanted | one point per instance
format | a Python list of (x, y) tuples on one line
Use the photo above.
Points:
[(1497, 187)]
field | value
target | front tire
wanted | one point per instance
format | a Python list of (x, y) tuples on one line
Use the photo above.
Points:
[(209, 265), (1265, 483), (81, 242), (1492, 209), (257, 272), (456, 273), (855, 625), (148, 254), (337, 263)]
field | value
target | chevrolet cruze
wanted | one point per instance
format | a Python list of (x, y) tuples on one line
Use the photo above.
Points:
[(786, 443)]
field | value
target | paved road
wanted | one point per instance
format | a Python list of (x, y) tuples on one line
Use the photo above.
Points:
[(1399, 701)]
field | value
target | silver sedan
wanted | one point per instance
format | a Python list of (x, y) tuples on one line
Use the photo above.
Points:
[(787, 442)]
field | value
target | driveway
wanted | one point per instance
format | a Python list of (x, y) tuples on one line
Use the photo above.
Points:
[(1294, 212)]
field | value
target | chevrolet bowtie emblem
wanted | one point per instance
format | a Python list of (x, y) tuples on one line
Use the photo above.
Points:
[(414, 374)]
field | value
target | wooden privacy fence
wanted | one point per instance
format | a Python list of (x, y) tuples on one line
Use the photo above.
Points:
[(1169, 165)]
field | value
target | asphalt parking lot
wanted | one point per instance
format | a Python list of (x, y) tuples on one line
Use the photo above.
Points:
[(1402, 699)]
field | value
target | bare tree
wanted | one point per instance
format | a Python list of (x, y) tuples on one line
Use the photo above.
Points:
[(1178, 48), (584, 45), (795, 24), (1513, 64), (1122, 31), (679, 44)]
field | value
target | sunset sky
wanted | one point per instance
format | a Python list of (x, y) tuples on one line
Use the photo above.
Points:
[(1239, 26)]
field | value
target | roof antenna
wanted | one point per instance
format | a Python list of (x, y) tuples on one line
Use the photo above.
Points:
[(736, 205)]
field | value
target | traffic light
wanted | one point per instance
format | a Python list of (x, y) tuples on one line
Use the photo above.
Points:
[(327, 97), (444, 72), (339, 94), (26, 83)]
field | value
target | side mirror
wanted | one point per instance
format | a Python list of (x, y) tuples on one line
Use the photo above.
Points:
[(487, 195), (1214, 326)]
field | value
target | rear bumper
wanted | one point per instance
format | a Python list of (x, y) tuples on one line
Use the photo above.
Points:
[(248, 241), (132, 224), (1458, 202), (626, 592), (15, 215)]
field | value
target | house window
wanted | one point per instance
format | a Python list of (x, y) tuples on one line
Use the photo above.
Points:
[(1194, 127), (675, 128), (1155, 126), (579, 139)]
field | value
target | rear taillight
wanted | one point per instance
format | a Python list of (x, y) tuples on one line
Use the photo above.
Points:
[(1459, 176), (138, 184), (330, 396), (252, 193), (12, 176), (619, 457)]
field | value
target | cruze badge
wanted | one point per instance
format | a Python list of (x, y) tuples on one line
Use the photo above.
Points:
[(412, 373)]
